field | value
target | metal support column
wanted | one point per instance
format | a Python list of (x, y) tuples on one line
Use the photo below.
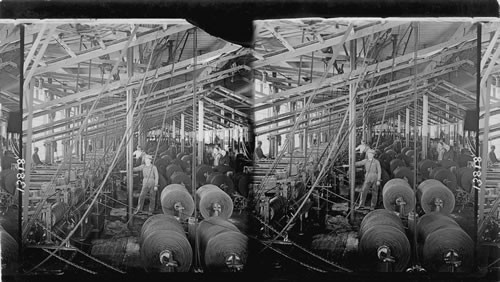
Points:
[(399, 125), (130, 132), (173, 129), (182, 134), (352, 132), (485, 93), (425, 126), (201, 114), (27, 178), (407, 127), (447, 125)]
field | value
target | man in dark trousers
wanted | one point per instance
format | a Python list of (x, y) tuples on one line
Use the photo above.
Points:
[(373, 176)]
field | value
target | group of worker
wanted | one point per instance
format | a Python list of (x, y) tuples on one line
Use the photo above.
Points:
[(219, 158)]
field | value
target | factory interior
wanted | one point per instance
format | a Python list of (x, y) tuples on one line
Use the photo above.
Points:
[(330, 146)]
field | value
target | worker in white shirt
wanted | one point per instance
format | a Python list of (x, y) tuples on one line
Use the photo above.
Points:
[(217, 155), (362, 149), (138, 155)]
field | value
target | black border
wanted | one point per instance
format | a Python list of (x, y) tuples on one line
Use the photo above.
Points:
[(232, 20)]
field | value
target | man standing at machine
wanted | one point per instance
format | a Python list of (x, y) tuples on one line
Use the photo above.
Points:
[(493, 156), (259, 154), (36, 158), (373, 176), (149, 183)]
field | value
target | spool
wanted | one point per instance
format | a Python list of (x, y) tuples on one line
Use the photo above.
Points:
[(425, 167), (435, 170), (180, 177), (406, 174), (8, 180), (174, 195), (410, 153), (396, 190), (380, 217), (187, 158), (447, 178), (429, 191), (439, 242), (156, 223), (391, 153), (395, 163), (431, 222), (182, 164), (172, 152), (180, 155), (164, 234), (165, 160), (212, 176), (9, 248), (243, 183), (277, 207), (58, 211), (404, 150), (202, 173), (209, 197), (219, 240), (223, 169), (385, 160), (162, 182), (224, 182), (389, 236), (465, 178), (171, 169), (447, 164)]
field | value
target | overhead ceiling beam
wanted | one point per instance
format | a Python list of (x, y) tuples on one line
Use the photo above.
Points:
[(34, 47), (125, 84), (348, 78), (311, 46), (112, 47), (224, 107), (363, 93), (460, 91), (118, 110), (156, 95), (273, 30), (487, 54), (65, 46), (447, 101)]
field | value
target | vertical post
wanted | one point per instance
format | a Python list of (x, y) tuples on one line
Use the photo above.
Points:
[(80, 141), (130, 132), (352, 127), (28, 151), (23, 197), (363, 133), (399, 124), (407, 127), (485, 93), (425, 126), (173, 129), (447, 125), (201, 111), (182, 133), (306, 135)]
